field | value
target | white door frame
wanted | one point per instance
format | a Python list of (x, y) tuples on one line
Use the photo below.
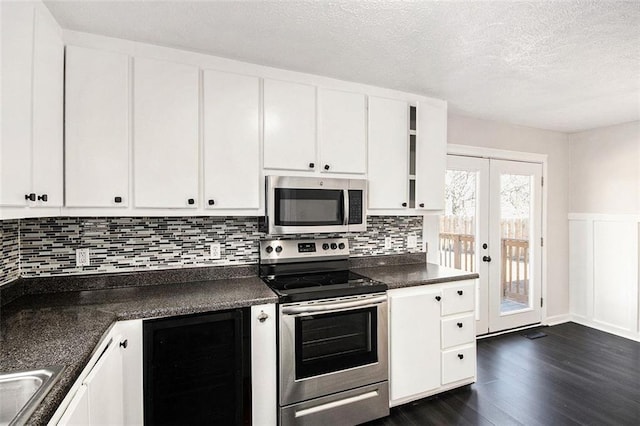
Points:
[(529, 157)]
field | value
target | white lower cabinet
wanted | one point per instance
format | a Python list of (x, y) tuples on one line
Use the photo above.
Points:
[(264, 402), (109, 389), (431, 339)]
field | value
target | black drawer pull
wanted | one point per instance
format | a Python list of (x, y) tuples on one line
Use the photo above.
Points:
[(421, 205), (460, 292), (326, 167), (43, 198), (117, 200), (404, 204), (30, 197), (438, 298), (312, 165), (191, 201), (460, 356), (459, 325), (211, 202)]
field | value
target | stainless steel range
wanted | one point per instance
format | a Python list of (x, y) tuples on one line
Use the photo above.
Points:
[(332, 336)]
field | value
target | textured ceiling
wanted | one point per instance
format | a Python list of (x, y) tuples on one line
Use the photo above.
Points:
[(559, 65)]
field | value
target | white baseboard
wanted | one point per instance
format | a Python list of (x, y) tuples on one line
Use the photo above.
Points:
[(557, 319), (607, 329)]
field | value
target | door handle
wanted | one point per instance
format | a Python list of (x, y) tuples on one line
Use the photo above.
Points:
[(486, 258)]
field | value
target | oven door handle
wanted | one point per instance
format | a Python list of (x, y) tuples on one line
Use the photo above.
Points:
[(311, 309)]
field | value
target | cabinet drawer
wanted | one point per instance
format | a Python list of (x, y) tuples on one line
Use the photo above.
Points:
[(457, 331), (459, 298), (458, 364)]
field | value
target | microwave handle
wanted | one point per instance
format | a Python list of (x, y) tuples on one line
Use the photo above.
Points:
[(346, 207)]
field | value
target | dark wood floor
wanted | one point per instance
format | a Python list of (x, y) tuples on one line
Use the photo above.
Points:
[(575, 375)]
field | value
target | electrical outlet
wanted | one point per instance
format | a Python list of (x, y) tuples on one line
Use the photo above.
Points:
[(412, 241), (214, 249), (387, 243), (82, 257)]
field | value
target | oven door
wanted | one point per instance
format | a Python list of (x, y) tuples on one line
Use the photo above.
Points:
[(328, 346)]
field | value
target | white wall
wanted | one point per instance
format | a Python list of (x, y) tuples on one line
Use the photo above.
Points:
[(605, 228), (464, 130), (605, 170)]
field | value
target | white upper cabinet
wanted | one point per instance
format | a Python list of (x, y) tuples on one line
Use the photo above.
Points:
[(97, 128), (165, 134), (431, 155), (231, 141), (48, 101), (342, 131), (388, 153), (32, 102), (289, 125), (17, 57)]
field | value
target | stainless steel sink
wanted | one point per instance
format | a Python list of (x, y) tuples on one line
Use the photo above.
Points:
[(22, 391)]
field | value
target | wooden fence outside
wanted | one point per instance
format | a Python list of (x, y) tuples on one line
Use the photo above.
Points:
[(457, 250)]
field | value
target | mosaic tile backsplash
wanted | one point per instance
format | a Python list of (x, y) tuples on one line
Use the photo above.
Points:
[(9, 262), (47, 245)]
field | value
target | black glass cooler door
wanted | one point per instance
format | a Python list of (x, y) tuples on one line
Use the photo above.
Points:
[(336, 341)]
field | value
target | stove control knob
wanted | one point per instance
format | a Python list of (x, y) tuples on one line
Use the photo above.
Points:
[(341, 246), (325, 246), (278, 249), (269, 249), (334, 246)]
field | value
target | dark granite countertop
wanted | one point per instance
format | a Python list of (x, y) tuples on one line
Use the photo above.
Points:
[(414, 274), (60, 320), (40, 330)]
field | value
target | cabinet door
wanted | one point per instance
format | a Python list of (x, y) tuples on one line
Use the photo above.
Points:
[(264, 404), (48, 80), (289, 125), (342, 128), (166, 134), (105, 387), (231, 141), (77, 413), (414, 345), (17, 61), (388, 153), (97, 128), (431, 155)]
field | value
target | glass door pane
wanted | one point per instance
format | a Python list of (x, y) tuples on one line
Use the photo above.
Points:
[(457, 242), (515, 214)]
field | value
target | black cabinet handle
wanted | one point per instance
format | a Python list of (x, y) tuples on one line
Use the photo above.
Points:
[(486, 258), (191, 201), (404, 204), (326, 167), (459, 325), (124, 343), (460, 292), (460, 356), (438, 298), (30, 197), (312, 165), (117, 199), (211, 202), (43, 198), (421, 204)]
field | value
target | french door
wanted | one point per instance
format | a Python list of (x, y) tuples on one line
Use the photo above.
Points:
[(492, 226)]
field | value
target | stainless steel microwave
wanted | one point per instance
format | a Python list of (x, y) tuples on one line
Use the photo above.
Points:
[(302, 205)]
